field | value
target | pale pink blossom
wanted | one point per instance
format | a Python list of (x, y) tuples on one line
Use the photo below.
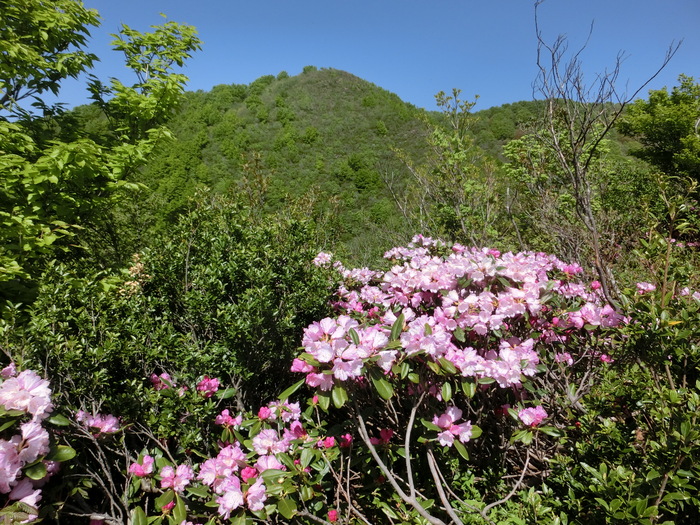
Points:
[(532, 416), (255, 495), (142, 469), (9, 371), (27, 392), (643, 288), (231, 498), (224, 418), (177, 479)]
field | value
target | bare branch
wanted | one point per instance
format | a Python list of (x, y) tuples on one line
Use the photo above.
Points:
[(388, 474)]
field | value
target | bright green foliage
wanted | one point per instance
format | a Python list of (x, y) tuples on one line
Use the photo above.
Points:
[(59, 186), (668, 126), (40, 45), (313, 133), (134, 111), (455, 192), (222, 294)]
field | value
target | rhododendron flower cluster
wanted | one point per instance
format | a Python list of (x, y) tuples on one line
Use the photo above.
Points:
[(176, 478), (208, 386), (474, 308), (162, 381), (532, 416), (451, 429), (142, 469), (225, 418), (28, 393), (98, 424), (441, 317)]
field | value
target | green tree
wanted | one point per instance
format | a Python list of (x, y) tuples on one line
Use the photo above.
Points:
[(668, 127), (60, 183), (42, 44), (454, 193)]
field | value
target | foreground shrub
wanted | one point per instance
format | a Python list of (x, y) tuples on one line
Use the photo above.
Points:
[(455, 358)]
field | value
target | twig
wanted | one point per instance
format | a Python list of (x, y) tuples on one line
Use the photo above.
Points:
[(441, 491), (389, 475), (515, 487)]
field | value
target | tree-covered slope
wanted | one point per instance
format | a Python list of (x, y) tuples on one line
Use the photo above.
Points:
[(324, 137)]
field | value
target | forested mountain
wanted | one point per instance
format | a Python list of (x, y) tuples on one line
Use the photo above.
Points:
[(324, 136), (361, 161)]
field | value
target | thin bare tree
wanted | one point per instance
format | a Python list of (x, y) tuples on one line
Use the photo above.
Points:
[(577, 117)]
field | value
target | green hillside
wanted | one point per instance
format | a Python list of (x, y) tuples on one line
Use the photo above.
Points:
[(324, 136)]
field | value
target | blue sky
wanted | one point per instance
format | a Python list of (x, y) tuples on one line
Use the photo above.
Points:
[(413, 48)]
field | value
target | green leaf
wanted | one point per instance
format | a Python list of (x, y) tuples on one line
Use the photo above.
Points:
[(460, 448), (226, 393), (383, 387), (476, 431), (180, 511), (397, 327), (459, 334), (355, 338), (324, 401), (36, 471), (296, 386), (446, 392), (200, 492), (165, 498), (138, 517), (287, 507), (339, 395), (430, 426), (59, 420), (469, 388), (61, 453), (550, 431), (448, 366)]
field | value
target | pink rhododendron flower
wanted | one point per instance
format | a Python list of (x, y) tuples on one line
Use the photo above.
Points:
[(564, 357), (385, 436), (176, 479), (225, 419), (168, 506), (27, 392), (142, 469), (332, 515), (255, 495), (232, 496), (25, 492), (248, 473), (265, 413), (448, 423), (33, 443), (532, 416), (269, 442), (102, 424), (10, 465), (162, 381), (208, 386), (643, 288), (345, 441), (268, 463), (323, 259), (605, 358), (286, 411), (9, 371), (301, 366), (328, 442)]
